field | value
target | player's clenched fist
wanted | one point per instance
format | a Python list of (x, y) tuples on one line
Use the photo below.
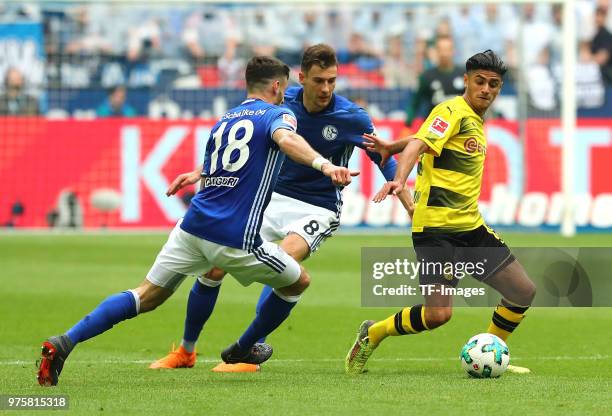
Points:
[(339, 175)]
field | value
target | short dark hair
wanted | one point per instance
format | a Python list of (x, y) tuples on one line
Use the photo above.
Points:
[(320, 54), (262, 69), (488, 61)]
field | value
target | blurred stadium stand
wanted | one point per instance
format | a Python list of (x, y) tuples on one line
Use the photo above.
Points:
[(179, 66), (194, 54)]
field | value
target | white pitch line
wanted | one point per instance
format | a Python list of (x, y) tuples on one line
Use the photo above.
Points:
[(327, 360)]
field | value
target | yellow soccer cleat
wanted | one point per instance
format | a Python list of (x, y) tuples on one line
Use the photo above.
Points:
[(361, 350), (236, 368), (178, 358), (518, 370)]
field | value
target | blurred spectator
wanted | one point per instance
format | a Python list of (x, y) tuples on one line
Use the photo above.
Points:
[(465, 28), (122, 19), (17, 211), (14, 101), (494, 31), (373, 110), (311, 28), (535, 36), (302, 28), (115, 105), (144, 40), (20, 11), (556, 41), (601, 45), (397, 70), (405, 27), (171, 20), (605, 5), (261, 31), (231, 71), (541, 86), (442, 30), (590, 90), (360, 52), (80, 36), (210, 34), (360, 100), (337, 27), (374, 26), (439, 83)]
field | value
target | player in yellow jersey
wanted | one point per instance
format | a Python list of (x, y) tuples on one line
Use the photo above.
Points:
[(450, 148)]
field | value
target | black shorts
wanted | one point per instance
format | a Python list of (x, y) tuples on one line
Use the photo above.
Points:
[(445, 258)]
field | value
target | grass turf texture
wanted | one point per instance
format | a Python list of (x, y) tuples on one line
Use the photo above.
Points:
[(49, 282)]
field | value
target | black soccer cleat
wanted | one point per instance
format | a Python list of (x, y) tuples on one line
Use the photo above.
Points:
[(258, 354), (54, 352)]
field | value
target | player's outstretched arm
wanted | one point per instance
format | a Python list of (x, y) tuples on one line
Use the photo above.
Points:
[(386, 148), (183, 180), (406, 163), (296, 148), (406, 199)]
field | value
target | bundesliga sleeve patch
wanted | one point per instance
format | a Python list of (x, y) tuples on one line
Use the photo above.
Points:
[(439, 126), (290, 120)]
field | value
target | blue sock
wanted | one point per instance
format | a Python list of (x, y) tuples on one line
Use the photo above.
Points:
[(111, 311), (200, 305), (272, 313), (265, 292)]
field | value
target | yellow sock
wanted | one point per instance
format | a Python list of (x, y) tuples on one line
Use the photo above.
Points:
[(506, 318), (407, 321)]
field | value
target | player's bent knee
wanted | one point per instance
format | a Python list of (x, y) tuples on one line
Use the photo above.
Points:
[(299, 286), (437, 316), (215, 274), (302, 284), (304, 280), (528, 293), (151, 296)]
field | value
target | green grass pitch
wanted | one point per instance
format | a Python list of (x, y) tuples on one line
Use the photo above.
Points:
[(49, 282)]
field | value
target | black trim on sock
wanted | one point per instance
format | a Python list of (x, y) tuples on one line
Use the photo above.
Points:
[(398, 324), (503, 323), (416, 322), (513, 308)]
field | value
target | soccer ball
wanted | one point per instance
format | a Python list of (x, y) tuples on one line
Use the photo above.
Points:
[(485, 356)]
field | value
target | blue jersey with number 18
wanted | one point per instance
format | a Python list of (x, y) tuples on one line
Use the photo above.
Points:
[(240, 169)]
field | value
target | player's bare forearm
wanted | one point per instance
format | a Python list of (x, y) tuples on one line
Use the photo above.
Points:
[(385, 148), (399, 145), (295, 147), (406, 200), (408, 159), (183, 180)]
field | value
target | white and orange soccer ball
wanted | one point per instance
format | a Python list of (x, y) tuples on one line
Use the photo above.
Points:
[(485, 356)]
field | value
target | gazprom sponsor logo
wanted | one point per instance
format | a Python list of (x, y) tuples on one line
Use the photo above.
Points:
[(228, 181)]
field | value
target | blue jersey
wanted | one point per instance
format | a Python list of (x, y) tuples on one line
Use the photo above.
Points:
[(333, 132), (241, 165)]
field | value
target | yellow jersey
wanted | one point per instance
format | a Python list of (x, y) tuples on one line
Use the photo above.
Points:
[(449, 174)]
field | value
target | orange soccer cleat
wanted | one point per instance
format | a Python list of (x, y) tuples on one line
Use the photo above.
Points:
[(236, 368), (177, 358)]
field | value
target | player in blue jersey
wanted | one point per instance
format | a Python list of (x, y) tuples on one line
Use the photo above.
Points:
[(221, 226), (305, 206)]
